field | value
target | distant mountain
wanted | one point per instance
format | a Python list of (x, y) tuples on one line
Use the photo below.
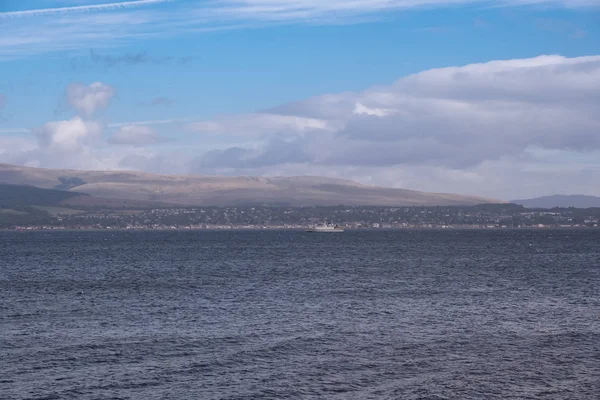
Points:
[(577, 201), (197, 190)]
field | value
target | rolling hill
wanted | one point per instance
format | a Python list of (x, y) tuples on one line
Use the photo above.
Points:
[(196, 190)]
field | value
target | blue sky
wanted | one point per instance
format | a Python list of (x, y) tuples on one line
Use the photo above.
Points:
[(226, 87)]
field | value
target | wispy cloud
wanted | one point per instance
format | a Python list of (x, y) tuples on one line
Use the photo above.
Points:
[(14, 130), (153, 122), (436, 29), (116, 125), (288, 9), (71, 32), (83, 8), (160, 101), (107, 61), (136, 136), (115, 24)]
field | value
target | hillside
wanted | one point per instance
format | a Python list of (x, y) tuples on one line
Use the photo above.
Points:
[(16, 196), (24, 205), (565, 201), (191, 190)]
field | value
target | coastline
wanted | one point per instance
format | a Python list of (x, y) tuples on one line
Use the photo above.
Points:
[(288, 228)]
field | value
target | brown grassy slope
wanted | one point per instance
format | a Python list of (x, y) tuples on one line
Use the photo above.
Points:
[(226, 191)]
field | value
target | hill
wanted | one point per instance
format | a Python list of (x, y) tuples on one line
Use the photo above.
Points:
[(564, 201), (24, 205), (195, 190), (15, 196)]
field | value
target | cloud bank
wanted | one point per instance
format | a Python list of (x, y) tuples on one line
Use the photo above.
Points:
[(457, 123), (450, 117)]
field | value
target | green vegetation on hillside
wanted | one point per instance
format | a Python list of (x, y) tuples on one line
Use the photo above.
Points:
[(12, 196), (19, 204)]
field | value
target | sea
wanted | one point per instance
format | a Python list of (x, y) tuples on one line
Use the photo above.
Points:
[(405, 314)]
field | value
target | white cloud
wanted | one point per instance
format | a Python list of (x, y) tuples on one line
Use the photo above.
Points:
[(69, 136), (71, 144), (361, 109), (80, 143), (87, 100), (11, 148), (261, 124), (135, 135)]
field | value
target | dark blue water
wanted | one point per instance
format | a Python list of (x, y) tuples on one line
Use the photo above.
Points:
[(276, 315)]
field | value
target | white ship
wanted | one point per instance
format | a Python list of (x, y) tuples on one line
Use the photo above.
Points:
[(325, 228)]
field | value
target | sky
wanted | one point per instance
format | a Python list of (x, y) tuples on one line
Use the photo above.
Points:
[(491, 98)]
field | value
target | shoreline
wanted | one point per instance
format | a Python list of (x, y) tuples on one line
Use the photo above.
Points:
[(299, 229)]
